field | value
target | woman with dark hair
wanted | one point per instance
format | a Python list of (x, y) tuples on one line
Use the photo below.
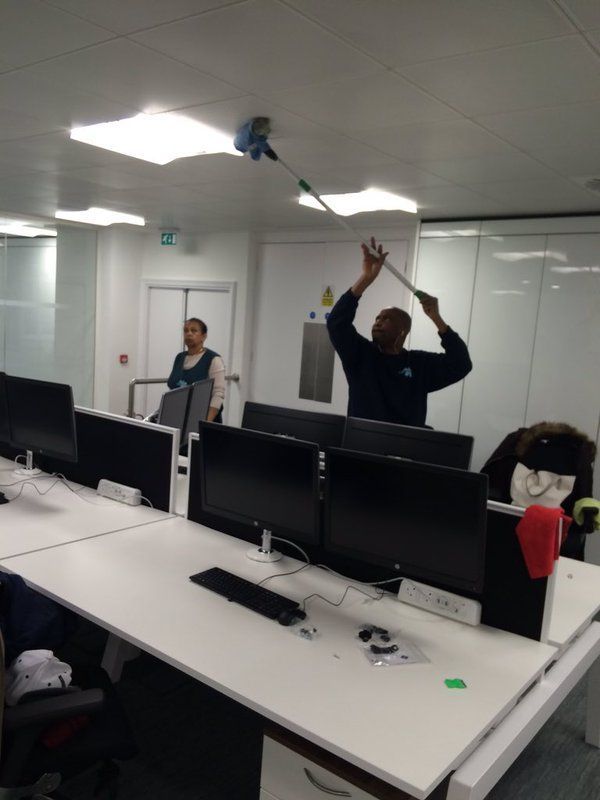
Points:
[(198, 363)]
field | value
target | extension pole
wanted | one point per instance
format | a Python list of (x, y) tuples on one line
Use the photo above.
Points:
[(306, 187)]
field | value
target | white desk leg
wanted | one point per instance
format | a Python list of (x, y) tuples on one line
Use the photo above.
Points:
[(475, 778), (116, 653), (592, 729)]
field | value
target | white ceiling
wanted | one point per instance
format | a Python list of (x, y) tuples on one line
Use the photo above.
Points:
[(469, 107)]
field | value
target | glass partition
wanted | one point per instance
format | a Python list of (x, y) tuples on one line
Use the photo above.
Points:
[(47, 307)]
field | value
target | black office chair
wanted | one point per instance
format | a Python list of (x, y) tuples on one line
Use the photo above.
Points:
[(54, 734)]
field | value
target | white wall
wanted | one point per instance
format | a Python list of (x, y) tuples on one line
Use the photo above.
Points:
[(219, 257), (119, 270), (128, 259), (291, 279)]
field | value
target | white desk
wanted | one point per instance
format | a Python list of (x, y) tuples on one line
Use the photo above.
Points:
[(32, 521), (401, 723), (576, 600)]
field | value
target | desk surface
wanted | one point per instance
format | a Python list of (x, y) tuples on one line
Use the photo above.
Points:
[(399, 723), (576, 600), (32, 521)]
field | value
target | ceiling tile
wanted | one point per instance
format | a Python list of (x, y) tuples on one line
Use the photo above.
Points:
[(31, 31), (489, 168), (547, 196), (14, 124), (110, 177), (393, 177), (548, 127), (439, 140), (382, 99), (55, 105), (572, 162), (585, 12), (529, 76), (260, 45), (422, 30), (54, 152), (135, 15), (454, 201), (594, 36), (126, 72)]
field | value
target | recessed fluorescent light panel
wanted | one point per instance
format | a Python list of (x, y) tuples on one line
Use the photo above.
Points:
[(100, 216), (159, 138), (358, 202), (16, 228)]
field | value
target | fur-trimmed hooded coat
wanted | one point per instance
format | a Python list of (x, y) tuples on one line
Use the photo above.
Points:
[(552, 446)]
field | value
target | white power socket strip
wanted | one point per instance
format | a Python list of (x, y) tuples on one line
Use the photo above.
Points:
[(117, 491), (437, 601)]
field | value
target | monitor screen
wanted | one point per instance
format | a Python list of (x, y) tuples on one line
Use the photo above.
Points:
[(173, 407), (311, 426), (425, 521), (4, 429), (41, 417), (201, 392), (404, 441), (260, 479)]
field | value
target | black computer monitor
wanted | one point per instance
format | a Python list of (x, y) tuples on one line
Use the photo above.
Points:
[(405, 441), (41, 418), (424, 521), (4, 427), (260, 479), (173, 407), (311, 426), (184, 407), (198, 407)]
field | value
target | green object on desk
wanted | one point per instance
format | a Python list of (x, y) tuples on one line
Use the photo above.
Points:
[(455, 683)]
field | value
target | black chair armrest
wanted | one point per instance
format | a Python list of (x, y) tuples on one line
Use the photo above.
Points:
[(589, 518), (38, 712)]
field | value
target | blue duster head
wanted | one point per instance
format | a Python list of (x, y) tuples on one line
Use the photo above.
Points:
[(252, 138)]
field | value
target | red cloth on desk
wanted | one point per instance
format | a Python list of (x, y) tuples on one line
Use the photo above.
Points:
[(538, 535)]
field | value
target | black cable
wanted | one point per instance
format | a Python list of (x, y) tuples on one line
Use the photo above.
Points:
[(281, 574), (331, 603)]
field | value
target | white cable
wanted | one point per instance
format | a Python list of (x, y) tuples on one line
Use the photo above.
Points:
[(287, 541)]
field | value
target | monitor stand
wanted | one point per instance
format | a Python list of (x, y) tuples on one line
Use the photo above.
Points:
[(29, 471), (264, 553)]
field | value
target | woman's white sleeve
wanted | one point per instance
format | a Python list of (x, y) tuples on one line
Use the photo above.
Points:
[(216, 371)]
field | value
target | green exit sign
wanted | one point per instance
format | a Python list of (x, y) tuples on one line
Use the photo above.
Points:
[(168, 238)]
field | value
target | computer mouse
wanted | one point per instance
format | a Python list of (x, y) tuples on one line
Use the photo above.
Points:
[(289, 615)]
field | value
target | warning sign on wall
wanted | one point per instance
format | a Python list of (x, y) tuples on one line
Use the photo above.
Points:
[(327, 296)]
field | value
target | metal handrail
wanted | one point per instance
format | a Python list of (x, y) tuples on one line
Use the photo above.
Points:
[(136, 382)]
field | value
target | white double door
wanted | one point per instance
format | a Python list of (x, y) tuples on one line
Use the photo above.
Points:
[(168, 306)]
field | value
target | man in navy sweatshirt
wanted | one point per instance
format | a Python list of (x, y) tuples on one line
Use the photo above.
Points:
[(385, 381)]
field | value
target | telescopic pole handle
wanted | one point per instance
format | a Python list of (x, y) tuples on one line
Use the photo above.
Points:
[(306, 187)]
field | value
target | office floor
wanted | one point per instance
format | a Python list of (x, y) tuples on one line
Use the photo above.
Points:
[(197, 745)]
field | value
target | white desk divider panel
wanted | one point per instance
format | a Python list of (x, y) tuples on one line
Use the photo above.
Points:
[(125, 450)]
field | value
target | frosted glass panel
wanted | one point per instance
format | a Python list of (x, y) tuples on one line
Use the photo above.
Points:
[(29, 307), (503, 321), (445, 269), (565, 380), (75, 311)]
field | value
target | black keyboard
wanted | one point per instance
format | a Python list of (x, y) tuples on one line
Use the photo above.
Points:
[(239, 590)]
